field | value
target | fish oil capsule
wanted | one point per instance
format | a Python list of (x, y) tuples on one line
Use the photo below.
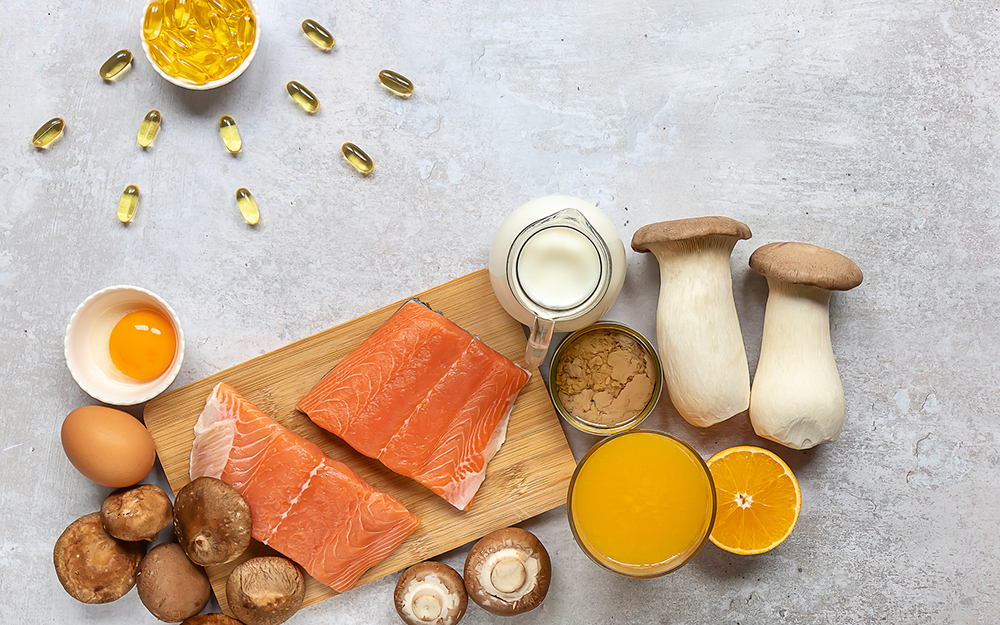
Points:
[(230, 134), (202, 13), (221, 9), (303, 97), (221, 31), (246, 30), (357, 158), (116, 65), (248, 206), (152, 22), (148, 128), (396, 83), (185, 70), (128, 204), (181, 13), (48, 133), (320, 36)]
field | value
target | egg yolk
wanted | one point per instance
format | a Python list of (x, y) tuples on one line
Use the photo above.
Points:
[(142, 345)]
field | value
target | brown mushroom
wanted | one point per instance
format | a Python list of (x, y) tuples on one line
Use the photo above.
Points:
[(507, 572), (137, 513), (170, 586), (266, 590), (212, 521), (211, 619), (93, 566), (430, 593)]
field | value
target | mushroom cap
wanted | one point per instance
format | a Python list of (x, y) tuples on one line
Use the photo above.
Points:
[(506, 555), (211, 619), (802, 263), (266, 590), (443, 589), (684, 229), (212, 521), (91, 565), (137, 513), (170, 586)]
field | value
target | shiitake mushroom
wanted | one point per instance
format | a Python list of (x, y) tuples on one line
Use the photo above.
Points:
[(266, 590), (93, 566), (212, 521), (171, 586), (136, 513)]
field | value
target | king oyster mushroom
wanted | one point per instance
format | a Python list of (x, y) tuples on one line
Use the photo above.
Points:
[(266, 590), (137, 513), (430, 593), (507, 572), (93, 566), (797, 398), (697, 330), (212, 521)]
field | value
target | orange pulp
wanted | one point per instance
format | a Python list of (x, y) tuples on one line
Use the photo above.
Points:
[(642, 503)]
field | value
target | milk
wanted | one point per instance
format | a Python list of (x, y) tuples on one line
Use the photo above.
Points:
[(559, 268)]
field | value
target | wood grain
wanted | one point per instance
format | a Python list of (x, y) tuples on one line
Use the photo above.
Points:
[(528, 476)]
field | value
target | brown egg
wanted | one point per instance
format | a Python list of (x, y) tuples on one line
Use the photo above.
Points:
[(108, 446)]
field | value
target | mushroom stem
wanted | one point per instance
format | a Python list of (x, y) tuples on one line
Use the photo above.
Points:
[(508, 575), (427, 607), (698, 332), (797, 397)]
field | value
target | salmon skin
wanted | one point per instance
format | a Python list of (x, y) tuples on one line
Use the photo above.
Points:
[(306, 505), (424, 397)]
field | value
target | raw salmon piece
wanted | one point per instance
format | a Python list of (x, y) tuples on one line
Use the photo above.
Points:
[(423, 396), (311, 508)]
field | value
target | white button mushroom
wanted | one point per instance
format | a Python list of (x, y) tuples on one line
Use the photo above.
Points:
[(797, 398), (698, 332)]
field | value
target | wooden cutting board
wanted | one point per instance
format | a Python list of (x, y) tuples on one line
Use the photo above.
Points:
[(529, 475)]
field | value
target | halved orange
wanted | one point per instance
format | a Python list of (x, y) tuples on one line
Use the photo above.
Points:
[(758, 500)]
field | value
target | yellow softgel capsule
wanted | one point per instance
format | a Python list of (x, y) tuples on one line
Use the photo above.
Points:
[(128, 203), (152, 22), (320, 36), (148, 128), (357, 158), (181, 13), (303, 97), (116, 65), (230, 134), (221, 31), (248, 206), (246, 30), (396, 83), (48, 133)]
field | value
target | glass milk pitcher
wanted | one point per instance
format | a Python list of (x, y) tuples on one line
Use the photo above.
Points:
[(556, 264)]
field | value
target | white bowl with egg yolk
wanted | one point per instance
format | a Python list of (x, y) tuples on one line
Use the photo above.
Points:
[(87, 345)]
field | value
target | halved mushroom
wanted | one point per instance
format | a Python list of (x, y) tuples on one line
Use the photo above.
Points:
[(507, 572), (211, 619), (212, 521), (430, 593), (170, 586), (266, 590), (136, 513), (93, 566), (697, 329)]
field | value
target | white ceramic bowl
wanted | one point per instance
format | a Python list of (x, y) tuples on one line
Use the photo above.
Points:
[(225, 80), (86, 345)]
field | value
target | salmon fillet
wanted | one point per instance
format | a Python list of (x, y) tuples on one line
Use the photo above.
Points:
[(306, 505), (424, 397)]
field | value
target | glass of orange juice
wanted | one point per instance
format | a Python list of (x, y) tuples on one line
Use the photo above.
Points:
[(641, 503)]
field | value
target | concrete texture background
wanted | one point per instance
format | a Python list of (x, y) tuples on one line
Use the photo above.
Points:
[(866, 126)]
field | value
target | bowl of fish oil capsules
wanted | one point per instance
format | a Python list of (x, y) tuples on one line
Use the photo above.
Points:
[(200, 44)]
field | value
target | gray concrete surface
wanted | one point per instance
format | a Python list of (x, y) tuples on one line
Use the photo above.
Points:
[(870, 127)]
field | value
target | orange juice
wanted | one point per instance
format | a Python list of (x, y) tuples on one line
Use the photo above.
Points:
[(641, 503)]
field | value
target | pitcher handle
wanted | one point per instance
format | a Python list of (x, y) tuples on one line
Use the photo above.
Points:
[(538, 342)]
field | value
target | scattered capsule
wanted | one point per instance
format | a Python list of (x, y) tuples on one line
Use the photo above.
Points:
[(152, 23), (48, 133), (320, 36), (248, 206), (357, 157), (230, 134), (148, 128), (128, 203), (116, 65), (303, 97), (396, 83)]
